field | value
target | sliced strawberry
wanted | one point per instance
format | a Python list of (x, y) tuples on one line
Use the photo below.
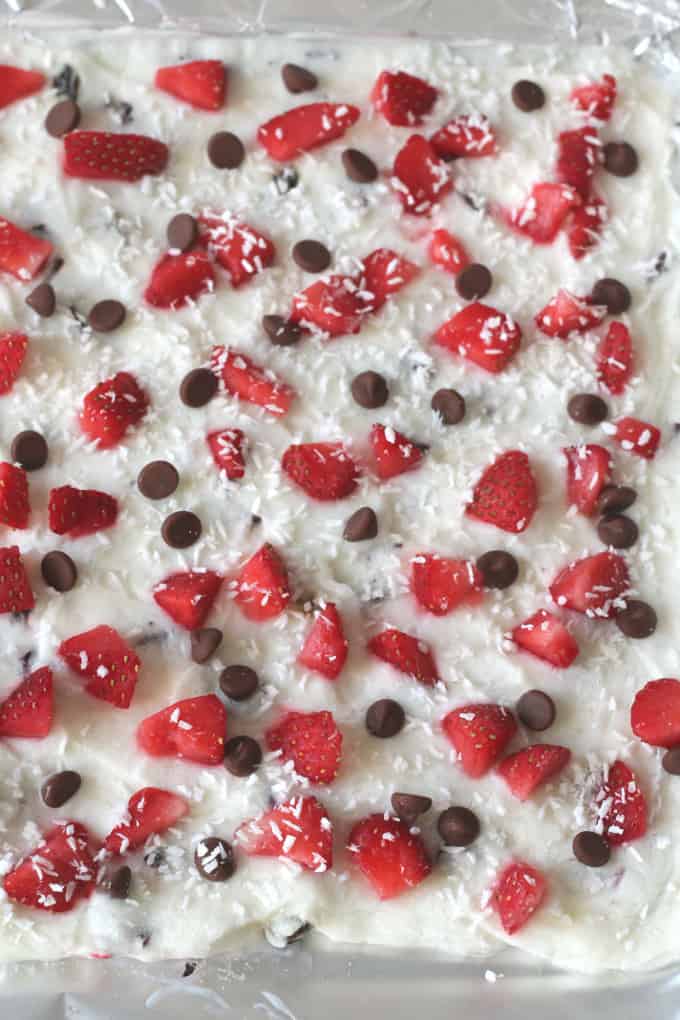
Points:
[(546, 637), (597, 98), (615, 359), (325, 647), (638, 437), (226, 446), (448, 252), (16, 83), (57, 874), (14, 507), (588, 470), (112, 408), (239, 248), (542, 215), (149, 811), (578, 154), (393, 858), (481, 334), (441, 584), (298, 830), (594, 585), (621, 806), (384, 273), (187, 597), (21, 254), (262, 587), (419, 177), (469, 135), (305, 128), (15, 589), (506, 494), (402, 99), (407, 654), (334, 306), (479, 734), (193, 729), (200, 83), (655, 713), (179, 280), (393, 452), (585, 226), (29, 710), (325, 471), (257, 385), (566, 314), (106, 661), (12, 353), (79, 512), (106, 156), (529, 768), (517, 895), (312, 741)]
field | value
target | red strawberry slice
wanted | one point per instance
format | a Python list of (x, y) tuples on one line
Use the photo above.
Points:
[(334, 306), (594, 585), (14, 507), (588, 470), (298, 830), (469, 135), (200, 83), (29, 710), (621, 806), (251, 382), (542, 215), (16, 83), (193, 729), (262, 587), (106, 661), (384, 273), (479, 734), (106, 156), (518, 893), (597, 98), (15, 589), (21, 254), (419, 177), (486, 337), (325, 647), (312, 741), (187, 597), (12, 353), (615, 359), (506, 494), (179, 280), (324, 471), (226, 446), (407, 654), (578, 154), (566, 314), (305, 128), (403, 99), (585, 226), (393, 453), (655, 713), (529, 768), (448, 252), (149, 811), (392, 857), (638, 437), (79, 512), (441, 584), (546, 637), (239, 248), (112, 408), (57, 874)]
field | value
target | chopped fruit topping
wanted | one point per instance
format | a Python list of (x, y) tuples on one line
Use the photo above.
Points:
[(567, 314), (262, 588), (594, 585), (15, 589), (201, 83), (542, 215), (298, 830), (655, 713), (239, 248), (226, 446), (187, 597), (615, 359), (506, 494), (12, 353), (14, 507), (588, 470), (312, 741), (481, 334), (578, 155), (193, 729), (621, 806), (392, 857), (112, 408), (29, 710), (470, 136), (305, 128), (447, 251), (150, 811), (440, 584), (531, 767), (105, 156), (106, 661), (57, 874), (546, 637), (597, 98), (384, 273), (393, 452), (16, 83), (79, 512), (325, 647), (402, 99), (21, 254), (517, 895), (250, 382), (584, 229), (479, 734), (407, 654), (419, 177), (324, 471), (179, 280), (334, 306), (637, 437)]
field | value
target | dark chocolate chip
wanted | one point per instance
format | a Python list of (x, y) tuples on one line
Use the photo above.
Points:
[(67, 82), (591, 849), (618, 531), (214, 859), (499, 569), (60, 787), (474, 282), (286, 179), (536, 710), (121, 880), (58, 571), (312, 256), (239, 682), (612, 294), (408, 806), (198, 387), (615, 498), (369, 390), (54, 266), (226, 151), (587, 409), (121, 110), (26, 660), (29, 450), (637, 620), (182, 232), (155, 857), (42, 300), (189, 968), (527, 96), (181, 529), (298, 79), (242, 755), (158, 479), (458, 826), (106, 316), (449, 405), (671, 761), (362, 525), (204, 643), (620, 159), (280, 331), (359, 167), (62, 118), (385, 718)]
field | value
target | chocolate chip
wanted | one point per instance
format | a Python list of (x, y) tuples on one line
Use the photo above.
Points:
[(286, 179), (591, 849), (158, 479), (120, 109), (181, 529), (154, 857), (204, 643), (612, 294), (527, 96), (239, 682), (408, 806), (59, 571), (536, 710), (671, 761), (198, 387), (298, 79), (359, 167), (385, 718), (62, 118), (42, 300), (182, 232), (189, 968), (474, 282), (620, 159), (106, 316), (369, 390), (280, 331), (242, 755), (458, 826), (618, 531), (121, 880), (214, 859), (226, 151), (615, 498), (449, 405), (362, 525), (67, 82), (312, 256), (60, 787), (499, 569), (587, 409), (637, 620), (29, 450)]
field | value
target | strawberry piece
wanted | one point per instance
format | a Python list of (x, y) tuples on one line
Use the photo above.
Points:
[(384, 273), (517, 895), (79, 512), (29, 710), (312, 741), (149, 811), (419, 177), (57, 874), (239, 248), (448, 252), (12, 353), (597, 98), (21, 254), (325, 647), (188, 596), (615, 359), (106, 156), (638, 437), (179, 280), (193, 729), (407, 654), (244, 379), (200, 83), (298, 830), (334, 306), (226, 446), (15, 589), (305, 128), (262, 587), (486, 337), (655, 713), (324, 471), (506, 494), (393, 453), (578, 154), (546, 637), (588, 470), (441, 584), (106, 661), (16, 83), (566, 314), (585, 226), (594, 585), (392, 857), (14, 507), (479, 734), (542, 215), (529, 768), (469, 135), (112, 408), (621, 806), (403, 99)]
